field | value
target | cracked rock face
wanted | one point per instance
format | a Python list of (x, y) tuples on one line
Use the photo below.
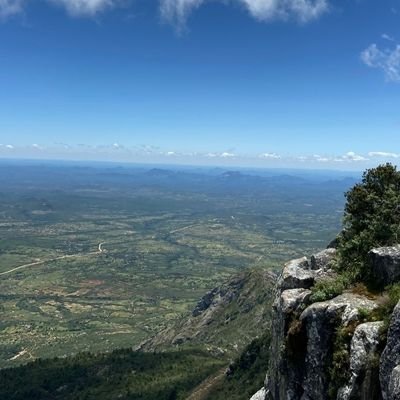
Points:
[(304, 334), (385, 265), (283, 372), (363, 352), (320, 321), (389, 371)]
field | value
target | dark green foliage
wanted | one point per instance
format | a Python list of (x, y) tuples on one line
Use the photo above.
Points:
[(329, 288), (122, 374), (372, 219), (246, 374)]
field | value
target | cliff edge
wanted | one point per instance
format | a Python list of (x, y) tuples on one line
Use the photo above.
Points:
[(340, 348)]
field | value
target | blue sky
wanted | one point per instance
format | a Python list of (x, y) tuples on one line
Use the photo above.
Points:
[(309, 83)]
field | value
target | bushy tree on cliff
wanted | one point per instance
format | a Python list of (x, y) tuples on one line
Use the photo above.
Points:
[(372, 219)]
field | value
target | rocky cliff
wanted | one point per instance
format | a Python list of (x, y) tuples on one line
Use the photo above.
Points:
[(336, 348), (225, 319)]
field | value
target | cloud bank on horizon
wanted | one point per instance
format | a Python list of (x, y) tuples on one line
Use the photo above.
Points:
[(149, 153)]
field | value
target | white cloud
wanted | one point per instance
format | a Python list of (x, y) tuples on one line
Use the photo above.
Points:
[(73, 7), (322, 159), (227, 155), (388, 60), (85, 7), (303, 10), (177, 11), (272, 156), (351, 156), (9, 146), (383, 154)]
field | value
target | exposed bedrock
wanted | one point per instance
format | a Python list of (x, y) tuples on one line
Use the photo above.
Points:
[(325, 350)]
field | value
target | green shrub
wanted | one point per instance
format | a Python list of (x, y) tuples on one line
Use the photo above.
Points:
[(329, 288), (364, 314)]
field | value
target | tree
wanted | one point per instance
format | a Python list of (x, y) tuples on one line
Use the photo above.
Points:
[(371, 219)]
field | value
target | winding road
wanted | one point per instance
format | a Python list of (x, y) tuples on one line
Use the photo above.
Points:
[(99, 251)]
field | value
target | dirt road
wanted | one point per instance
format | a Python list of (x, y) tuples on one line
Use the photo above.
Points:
[(99, 251)]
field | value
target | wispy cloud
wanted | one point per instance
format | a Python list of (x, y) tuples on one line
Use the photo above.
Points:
[(349, 157), (387, 37), (177, 11), (352, 156), (271, 156), (73, 7), (319, 158), (226, 154), (387, 60), (383, 154), (10, 7), (85, 7), (302, 10)]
